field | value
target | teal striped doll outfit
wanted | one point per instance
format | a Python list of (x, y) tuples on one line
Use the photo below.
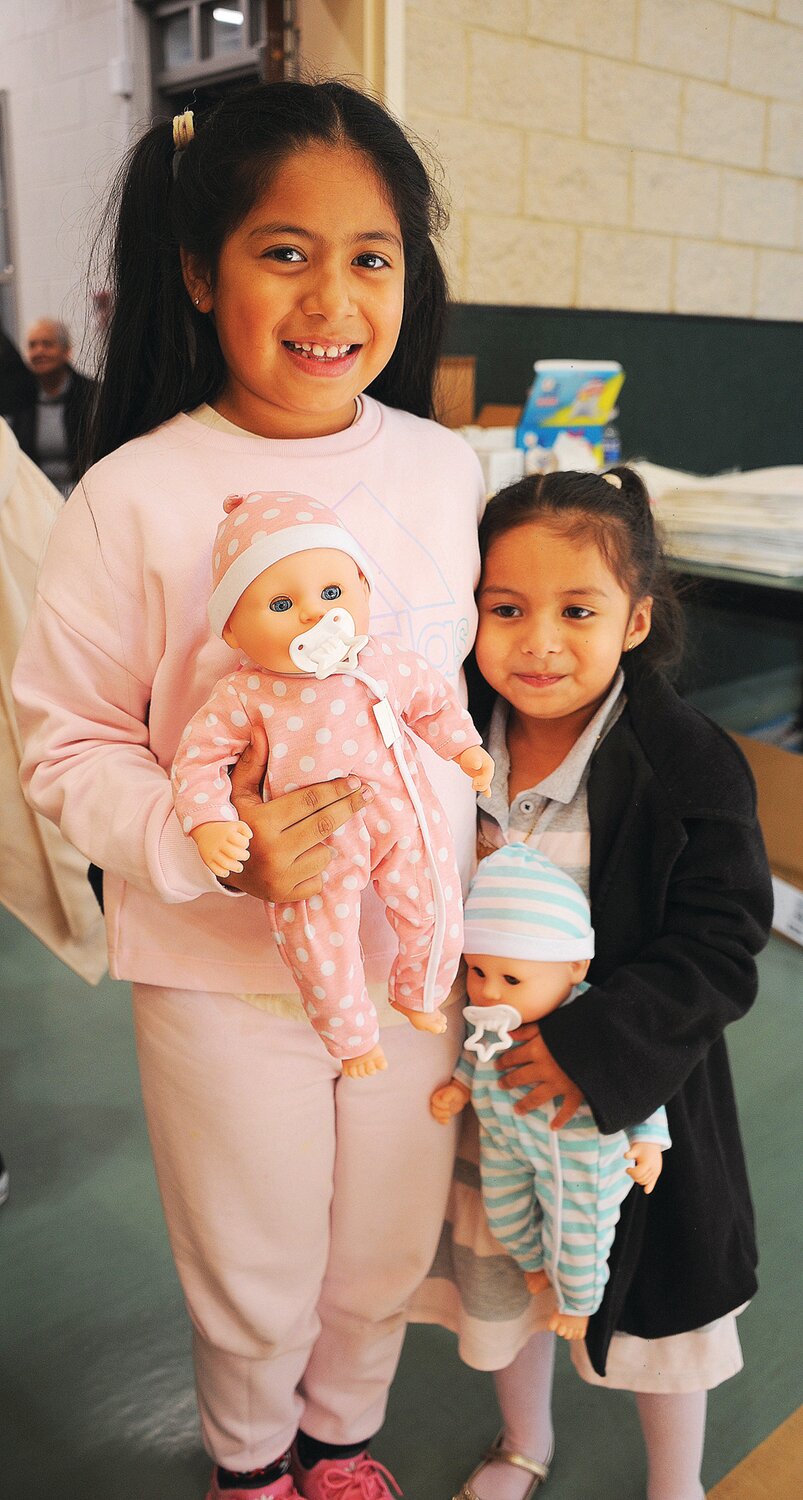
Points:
[(552, 1197)]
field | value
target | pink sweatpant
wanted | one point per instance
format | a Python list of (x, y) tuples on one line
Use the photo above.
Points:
[(303, 1209), (319, 939)]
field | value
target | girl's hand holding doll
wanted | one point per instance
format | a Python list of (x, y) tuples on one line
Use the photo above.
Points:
[(287, 854), (533, 1063)]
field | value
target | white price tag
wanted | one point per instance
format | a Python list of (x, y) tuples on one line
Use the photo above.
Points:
[(386, 719)]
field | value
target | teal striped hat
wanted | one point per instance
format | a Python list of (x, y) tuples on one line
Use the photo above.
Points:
[(520, 905)]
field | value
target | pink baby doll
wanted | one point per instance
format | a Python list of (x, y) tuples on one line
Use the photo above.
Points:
[(291, 592)]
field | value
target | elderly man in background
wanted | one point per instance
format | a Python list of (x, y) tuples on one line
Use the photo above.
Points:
[(49, 428)]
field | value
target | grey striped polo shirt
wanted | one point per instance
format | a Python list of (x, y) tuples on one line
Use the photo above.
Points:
[(552, 816)]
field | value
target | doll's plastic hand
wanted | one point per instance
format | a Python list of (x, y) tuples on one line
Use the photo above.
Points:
[(373, 1061), (530, 1061), (536, 1282), (648, 1160), (223, 847), (423, 1020), (476, 763), (568, 1325), (287, 851), (446, 1102)]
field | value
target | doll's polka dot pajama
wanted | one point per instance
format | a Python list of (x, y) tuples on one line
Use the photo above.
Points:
[(319, 730)]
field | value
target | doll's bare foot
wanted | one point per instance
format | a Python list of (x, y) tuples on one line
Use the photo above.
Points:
[(366, 1064), (423, 1020), (568, 1326), (537, 1281)]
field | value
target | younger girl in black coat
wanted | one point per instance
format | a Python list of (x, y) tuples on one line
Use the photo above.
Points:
[(574, 585)]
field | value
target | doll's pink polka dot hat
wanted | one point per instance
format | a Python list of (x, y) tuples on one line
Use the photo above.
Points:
[(262, 528)]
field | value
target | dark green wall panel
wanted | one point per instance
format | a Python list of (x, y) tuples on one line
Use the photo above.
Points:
[(703, 394)]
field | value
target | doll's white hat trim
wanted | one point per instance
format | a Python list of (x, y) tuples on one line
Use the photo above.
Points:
[(272, 547), (263, 528), (521, 905)]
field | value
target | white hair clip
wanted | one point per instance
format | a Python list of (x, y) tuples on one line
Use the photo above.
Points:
[(614, 480)]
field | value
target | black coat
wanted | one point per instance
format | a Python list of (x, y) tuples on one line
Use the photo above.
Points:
[(77, 407), (681, 901)]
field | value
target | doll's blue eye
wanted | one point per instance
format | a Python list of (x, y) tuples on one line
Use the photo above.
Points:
[(280, 605), (332, 591)]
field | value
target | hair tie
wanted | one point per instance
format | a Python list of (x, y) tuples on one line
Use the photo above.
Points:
[(183, 133), (183, 129), (614, 480)]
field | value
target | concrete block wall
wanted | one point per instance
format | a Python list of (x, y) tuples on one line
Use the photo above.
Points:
[(626, 154), (630, 154), (66, 130)]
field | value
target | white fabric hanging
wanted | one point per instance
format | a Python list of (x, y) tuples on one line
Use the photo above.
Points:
[(42, 878)]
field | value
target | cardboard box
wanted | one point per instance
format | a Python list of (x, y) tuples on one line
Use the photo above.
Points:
[(499, 416), (455, 385), (779, 779)]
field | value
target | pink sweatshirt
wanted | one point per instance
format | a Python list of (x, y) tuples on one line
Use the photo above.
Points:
[(118, 656)]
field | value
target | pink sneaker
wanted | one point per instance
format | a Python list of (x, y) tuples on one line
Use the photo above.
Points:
[(278, 1489), (360, 1478)]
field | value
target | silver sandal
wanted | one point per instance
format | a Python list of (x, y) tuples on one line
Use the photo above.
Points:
[(498, 1454)]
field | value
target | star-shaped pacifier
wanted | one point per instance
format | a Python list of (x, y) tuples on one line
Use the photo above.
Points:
[(494, 1021), (330, 646)]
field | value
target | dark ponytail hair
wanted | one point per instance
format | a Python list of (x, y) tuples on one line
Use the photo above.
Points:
[(19, 386), (162, 356), (620, 522)]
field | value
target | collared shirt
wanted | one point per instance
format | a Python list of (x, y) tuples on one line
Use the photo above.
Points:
[(552, 815)]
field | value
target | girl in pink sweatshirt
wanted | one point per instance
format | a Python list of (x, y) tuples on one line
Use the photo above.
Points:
[(278, 310)]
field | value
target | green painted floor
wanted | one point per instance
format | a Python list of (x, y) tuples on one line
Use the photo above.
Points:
[(96, 1398)]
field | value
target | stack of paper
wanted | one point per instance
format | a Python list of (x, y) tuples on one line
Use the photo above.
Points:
[(752, 521)]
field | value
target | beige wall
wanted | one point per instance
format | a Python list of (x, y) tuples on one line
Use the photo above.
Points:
[(634, 154), (68, 123)]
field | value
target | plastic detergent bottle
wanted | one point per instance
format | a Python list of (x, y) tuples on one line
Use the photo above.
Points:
[(611, 442)]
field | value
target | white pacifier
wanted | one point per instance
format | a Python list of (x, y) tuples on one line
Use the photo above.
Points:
[(330, 646), (496, 1021)]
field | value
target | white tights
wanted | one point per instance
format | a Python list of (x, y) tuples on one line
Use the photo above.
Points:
[(673, 1427), (674, 1434)]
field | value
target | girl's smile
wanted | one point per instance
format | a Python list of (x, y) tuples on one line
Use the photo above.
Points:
[(307, 297), (540, 679), (554, 621), (325, 361)]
